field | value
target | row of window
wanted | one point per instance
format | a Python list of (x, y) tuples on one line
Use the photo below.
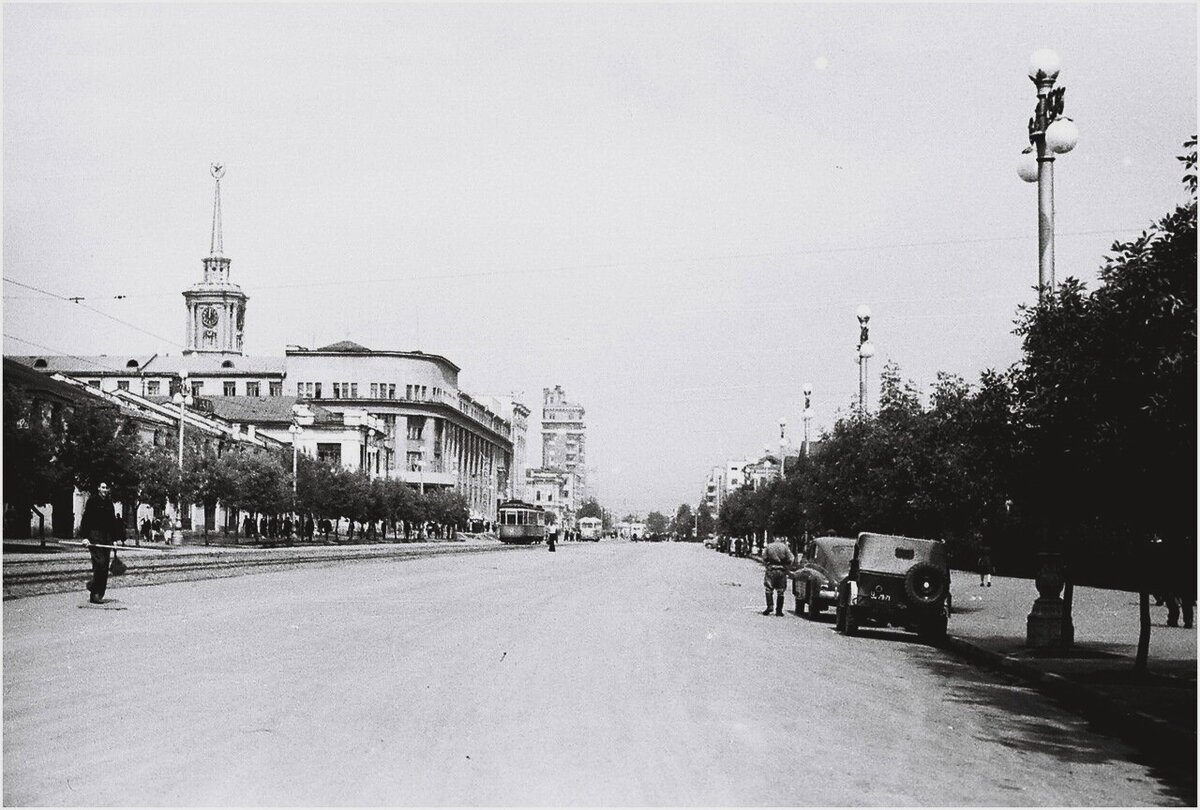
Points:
[(349, 390), (252, 388)]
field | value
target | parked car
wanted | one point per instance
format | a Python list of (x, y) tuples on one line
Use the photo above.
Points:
[(897, 581), (823, 566)]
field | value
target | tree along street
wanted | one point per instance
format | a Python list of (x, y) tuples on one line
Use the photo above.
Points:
[(603, 674)]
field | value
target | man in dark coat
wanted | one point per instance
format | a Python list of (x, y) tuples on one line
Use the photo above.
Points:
[(778, 560), (99, 527)]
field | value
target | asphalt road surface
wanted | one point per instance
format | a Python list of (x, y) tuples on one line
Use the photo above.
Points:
[(603, 674)]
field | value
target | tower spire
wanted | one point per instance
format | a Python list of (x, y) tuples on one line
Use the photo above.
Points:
[(217, 247), (216, 306)]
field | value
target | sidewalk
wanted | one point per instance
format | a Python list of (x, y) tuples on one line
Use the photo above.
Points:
[(1095, 677)]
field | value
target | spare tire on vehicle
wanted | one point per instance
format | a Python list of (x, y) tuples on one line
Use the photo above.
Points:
[(925, 583)]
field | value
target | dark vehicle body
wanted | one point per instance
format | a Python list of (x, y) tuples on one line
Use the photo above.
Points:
[(521, 523), (823, 566), (896, 581)]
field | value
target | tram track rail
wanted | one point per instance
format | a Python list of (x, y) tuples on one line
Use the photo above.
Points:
[(37, 574)]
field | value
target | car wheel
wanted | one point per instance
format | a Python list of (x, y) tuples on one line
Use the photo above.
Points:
[(814, 605), (799, 605), (849, 624), (839, 618)]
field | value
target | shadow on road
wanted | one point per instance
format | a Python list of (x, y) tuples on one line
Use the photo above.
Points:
[(1018, 724), (895, 636)]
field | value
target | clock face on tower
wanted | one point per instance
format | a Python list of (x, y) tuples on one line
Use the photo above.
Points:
[(209, 317)]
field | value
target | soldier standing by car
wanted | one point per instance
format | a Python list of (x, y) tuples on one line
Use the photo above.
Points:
[(778, 559)]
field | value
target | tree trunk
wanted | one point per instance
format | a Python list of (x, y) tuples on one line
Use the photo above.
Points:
[(1143, 648), (1068, 622)]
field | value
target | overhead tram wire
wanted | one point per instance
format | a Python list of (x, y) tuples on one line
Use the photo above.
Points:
[(571, 268), (113, 318)]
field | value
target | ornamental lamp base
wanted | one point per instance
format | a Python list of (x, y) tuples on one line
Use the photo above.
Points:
[(1045, 628)]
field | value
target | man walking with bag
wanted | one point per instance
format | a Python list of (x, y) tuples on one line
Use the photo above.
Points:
[(99, 527)]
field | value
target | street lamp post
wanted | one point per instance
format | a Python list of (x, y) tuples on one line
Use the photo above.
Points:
[(183, 399), (807, 414), (1050, 133), (865, 352), (295, 430), (782, 444)]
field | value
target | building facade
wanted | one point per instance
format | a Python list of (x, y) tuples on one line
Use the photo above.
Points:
[(440, 436), (564, 451), (517, 415), (398, 414), (564, 436), (156, 420)]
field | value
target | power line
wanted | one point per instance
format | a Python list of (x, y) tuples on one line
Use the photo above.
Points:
[(570, 268), (78, 301)]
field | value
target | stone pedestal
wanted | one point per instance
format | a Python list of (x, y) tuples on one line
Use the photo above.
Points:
[(1045, 626)]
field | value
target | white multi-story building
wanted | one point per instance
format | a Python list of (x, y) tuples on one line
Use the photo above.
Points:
[(713, 495), (552, 490), (442, 437)]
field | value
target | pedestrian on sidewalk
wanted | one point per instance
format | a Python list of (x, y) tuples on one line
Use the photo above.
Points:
[(99, 527), (778, 559), (986, 569)]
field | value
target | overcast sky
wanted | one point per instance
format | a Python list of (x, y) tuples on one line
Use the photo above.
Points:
[(672, 211)]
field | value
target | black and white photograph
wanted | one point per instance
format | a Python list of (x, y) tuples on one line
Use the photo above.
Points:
[(599, 404)]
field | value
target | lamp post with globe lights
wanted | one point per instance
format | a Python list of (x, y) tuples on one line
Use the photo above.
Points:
[(865, 351), (807, 414), (182, 398), (1050, 133), (783, 442)]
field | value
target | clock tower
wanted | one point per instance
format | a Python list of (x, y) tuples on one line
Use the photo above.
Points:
[(216, 307)]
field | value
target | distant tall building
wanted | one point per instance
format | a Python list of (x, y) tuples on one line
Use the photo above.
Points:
[(560, 484), (713, 494), (564, 438)]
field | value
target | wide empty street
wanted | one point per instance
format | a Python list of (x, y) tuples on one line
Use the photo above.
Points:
[(603, 674)]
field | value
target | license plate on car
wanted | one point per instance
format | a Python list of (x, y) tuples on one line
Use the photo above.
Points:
[(881, 597)]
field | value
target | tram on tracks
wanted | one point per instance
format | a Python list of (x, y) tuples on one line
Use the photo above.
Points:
[(521, 523), (589, 528)]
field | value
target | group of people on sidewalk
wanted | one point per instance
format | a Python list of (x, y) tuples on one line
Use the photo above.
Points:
[(275, 527)]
